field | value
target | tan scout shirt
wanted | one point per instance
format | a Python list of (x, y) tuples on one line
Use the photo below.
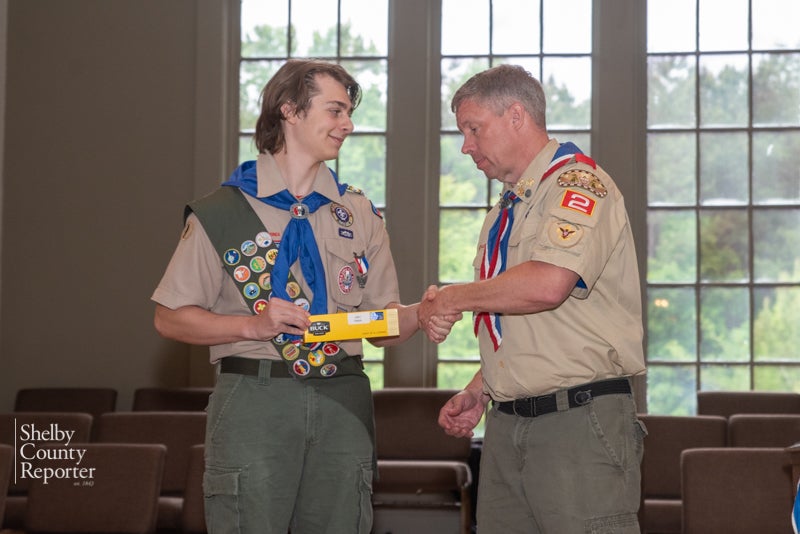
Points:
[(597, 332), (196, 276)]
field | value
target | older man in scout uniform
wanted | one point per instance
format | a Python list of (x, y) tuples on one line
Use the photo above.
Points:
[(558, 316)]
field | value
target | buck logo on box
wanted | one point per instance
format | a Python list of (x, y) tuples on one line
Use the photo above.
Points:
[(319, 328)]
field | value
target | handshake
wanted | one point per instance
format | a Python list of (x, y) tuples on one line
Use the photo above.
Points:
[(436, 313)]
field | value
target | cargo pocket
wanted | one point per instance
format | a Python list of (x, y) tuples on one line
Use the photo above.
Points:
[(365, 498), (221, 492)]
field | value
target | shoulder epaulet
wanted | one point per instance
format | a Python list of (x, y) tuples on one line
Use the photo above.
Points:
[(583, 179), (357, 191)]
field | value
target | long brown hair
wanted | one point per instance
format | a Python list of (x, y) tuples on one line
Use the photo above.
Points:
[(295, 82)]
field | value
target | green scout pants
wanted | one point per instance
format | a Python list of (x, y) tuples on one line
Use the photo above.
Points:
[(569, 472), (283, 453)]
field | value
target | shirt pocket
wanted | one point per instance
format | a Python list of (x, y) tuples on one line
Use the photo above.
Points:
[(345, 281)]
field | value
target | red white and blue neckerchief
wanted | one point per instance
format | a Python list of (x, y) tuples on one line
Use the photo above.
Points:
[(496, 251), (494, 262)]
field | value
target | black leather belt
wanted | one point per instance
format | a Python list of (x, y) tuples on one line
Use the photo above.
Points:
[(250, 367), (277, 369), (577, 396)]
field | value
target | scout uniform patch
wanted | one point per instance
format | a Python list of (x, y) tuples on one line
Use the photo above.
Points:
[(583, 179)]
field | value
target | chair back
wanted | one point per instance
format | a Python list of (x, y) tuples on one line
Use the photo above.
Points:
[(114, 489), (177, 431), (736, 490), (6, 463), (763, 430), (93, 401), (667, 437), (407, 428), (727, 403)]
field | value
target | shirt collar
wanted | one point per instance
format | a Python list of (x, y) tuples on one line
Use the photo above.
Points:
[(270, 180)]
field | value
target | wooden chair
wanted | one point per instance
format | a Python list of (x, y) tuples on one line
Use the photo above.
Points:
[(735, 490), (193, 520), (94, 401), (171, 399), (423, 474), (727, 403), (17, 428), (667, 437), (6, 467), (763, 430), (119, 494), (177, 431)]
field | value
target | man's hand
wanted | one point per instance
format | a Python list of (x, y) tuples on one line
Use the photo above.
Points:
[(279, 316), (462, 413), (436, 325)]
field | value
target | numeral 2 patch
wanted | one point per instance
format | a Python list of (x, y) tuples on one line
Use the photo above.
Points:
[(576, 201)]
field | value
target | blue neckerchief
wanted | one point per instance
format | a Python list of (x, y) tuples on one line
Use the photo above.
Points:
[(298, 239)]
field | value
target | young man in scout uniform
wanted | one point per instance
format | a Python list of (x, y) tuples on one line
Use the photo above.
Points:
[(289, 439), (558, 316)]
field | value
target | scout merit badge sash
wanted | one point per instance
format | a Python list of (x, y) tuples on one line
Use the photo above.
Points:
[(248, 254), (496, 250)]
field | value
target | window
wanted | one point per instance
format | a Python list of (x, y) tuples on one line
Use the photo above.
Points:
[(527, 33), (723, 276), (350, 32), (717, 224)]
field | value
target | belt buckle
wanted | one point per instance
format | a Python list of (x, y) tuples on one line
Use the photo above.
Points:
[(583, 397)]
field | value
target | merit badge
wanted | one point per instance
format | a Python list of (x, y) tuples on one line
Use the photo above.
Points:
[(578, 201), (231, 256), (362, 265), (316, 358), (346, 276), (341, 214), (328, 370), (303, 303), (263, 239), (259, 306), (291, 351), (241, 273), (293, 289), (301, 368), (280, 339), (249, 248), (584, 180), (258, 264), (330, 349), (264, 282), (564, 234), (251, 290), (271, 255)]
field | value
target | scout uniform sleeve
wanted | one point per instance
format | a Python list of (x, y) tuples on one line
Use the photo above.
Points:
[(194, 276), (583, 220)]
